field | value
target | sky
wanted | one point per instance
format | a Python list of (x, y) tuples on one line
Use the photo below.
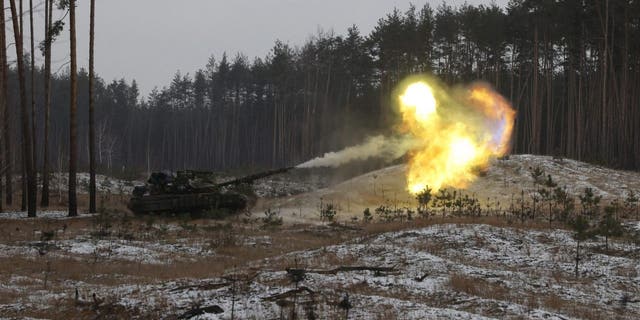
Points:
[(149, 40)]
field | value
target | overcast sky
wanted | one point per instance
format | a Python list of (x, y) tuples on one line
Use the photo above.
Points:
[(149, 40)]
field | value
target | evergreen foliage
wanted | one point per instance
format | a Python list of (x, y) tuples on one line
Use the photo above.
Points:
[(570, 68)]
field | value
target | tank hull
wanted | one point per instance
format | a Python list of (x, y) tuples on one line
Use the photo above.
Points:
[(195, 202)]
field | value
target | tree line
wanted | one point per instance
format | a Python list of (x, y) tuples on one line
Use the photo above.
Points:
[(570, 67), (18, 92)]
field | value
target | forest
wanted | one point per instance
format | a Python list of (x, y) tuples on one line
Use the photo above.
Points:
[(449, 162), (570, 69)]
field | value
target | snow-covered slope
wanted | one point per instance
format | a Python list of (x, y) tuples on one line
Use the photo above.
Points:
[(439, 272), (498, 186)]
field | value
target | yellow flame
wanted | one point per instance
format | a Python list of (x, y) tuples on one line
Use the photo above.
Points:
[(419, 100), (459, 130), (462, 152)]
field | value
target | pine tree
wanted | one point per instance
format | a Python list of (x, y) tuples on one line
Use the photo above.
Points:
[(73, 146), (610, 226), (92, 128), (582, 231), (50, 33), (4, 104), (26, 132)]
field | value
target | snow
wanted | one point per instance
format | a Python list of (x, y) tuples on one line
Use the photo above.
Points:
[(104, 184), (279, 187), (57, 215), (514, 273)]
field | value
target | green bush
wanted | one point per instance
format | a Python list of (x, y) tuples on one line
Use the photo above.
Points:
[(328, 212), (271, 218)]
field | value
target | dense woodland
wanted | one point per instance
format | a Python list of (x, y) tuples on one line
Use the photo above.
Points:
[(570, 67)]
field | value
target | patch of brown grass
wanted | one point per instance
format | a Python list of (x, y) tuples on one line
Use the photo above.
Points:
[(114, 202), (495, 221), (553, 302), (478, 287), (626, 271)]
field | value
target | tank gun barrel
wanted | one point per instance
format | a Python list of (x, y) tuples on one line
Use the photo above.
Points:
[(251, 178)]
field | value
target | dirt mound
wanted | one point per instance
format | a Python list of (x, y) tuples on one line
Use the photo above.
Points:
[(500, 185)]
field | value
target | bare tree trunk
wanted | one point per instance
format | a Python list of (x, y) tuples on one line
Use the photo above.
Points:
[(47, 101), (92, 128), (23, 177), (4, 100), (23, 170), (73, 144), (28, 161), (33, 92), (605, 53), (535, 110)]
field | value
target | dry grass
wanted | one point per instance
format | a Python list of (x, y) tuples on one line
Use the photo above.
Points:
[(552, 302), (478, 287), (549, 301), (114, 202), (226, 238), (495, 221)]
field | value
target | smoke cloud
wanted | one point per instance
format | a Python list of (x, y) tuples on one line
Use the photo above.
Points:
[(387, 148)]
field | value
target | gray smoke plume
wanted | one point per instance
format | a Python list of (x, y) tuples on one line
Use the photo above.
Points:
[(387, 148)]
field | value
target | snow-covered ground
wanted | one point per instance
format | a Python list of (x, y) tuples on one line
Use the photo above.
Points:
[(105, 184), (282, 187), (47, 214), (515, 173), (511, 273), (449, 271)]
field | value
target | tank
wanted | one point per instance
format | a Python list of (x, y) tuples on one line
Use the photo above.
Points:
[(192, 191)]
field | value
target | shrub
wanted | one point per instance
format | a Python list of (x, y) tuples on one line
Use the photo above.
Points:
[(589, 202), (424, 198), (384, 213), (328, 212), (271, 218), (610, 226), (366, 215)]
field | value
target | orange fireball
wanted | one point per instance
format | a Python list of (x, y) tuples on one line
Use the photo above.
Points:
[(458, 131)]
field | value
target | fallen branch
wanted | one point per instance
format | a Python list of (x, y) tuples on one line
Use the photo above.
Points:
[(421, 278), (200, 311), (349, 269), (287, 294), (205, 286)]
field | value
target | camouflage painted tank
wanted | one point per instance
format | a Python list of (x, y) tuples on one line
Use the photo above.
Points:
[(191, 191)]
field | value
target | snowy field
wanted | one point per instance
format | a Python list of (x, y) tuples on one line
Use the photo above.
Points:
[(57, 215), (104, 184), (444, 271)]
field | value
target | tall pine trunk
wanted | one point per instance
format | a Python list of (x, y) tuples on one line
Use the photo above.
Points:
[(73, 144), (33, 92), (8, 164), (92, 128), (47, 101), (26, 132), (23, 169)]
